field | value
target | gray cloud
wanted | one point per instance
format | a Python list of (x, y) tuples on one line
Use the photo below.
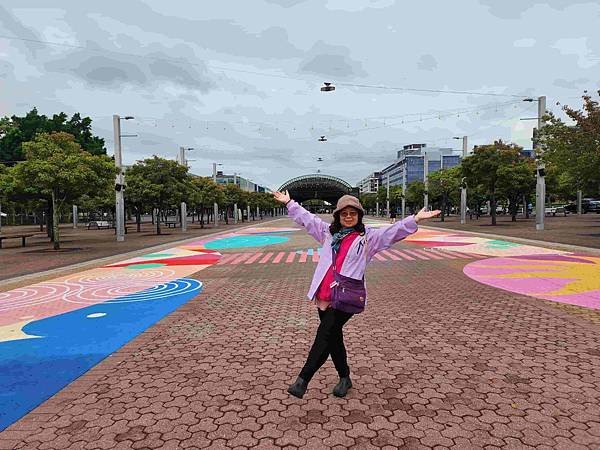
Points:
[(335, 60), (512, 9), (286, 3), (427, 62), (571, 84)]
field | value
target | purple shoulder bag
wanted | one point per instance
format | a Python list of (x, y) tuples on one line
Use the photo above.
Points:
[(348, 294)]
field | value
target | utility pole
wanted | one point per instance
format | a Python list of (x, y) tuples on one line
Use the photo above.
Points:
[(540, 187), (119, 182), (463, 186), (404, 189), (215, 205), (235, 208), (426, 180), (377, 198), (388, 195)]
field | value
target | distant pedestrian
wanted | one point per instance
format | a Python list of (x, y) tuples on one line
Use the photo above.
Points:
[(393, 216), (337, 286)]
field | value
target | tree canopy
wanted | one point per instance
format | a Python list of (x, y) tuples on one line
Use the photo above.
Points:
[(14, 131)]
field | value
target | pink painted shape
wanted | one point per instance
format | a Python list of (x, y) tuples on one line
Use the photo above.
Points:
[(316, 256), (379, 257), (266, 258), (290, 257), (403, 255), (444, 254), (414, 253), (278, 258), (390, 255), (254, 258), (428, 254), (241, 258), (303, 257), (227, 258)]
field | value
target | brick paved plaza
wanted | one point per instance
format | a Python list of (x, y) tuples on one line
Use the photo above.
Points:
[(438, 360)]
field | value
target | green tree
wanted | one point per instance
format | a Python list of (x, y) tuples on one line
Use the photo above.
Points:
[(574, 150), (415, 192), (515, 182), (368, 200), (14, 131), (204, 194), (57, 167), (161, 182), (232, 195), (443, 185), (486, 166)]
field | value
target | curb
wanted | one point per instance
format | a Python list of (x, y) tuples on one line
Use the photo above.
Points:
[(128, 255)]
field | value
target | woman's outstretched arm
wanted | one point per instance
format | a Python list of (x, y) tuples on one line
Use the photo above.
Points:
[(383, 238), (316, 227)]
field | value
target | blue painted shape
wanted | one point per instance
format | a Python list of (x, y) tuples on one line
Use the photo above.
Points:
[(245, 241), (32, 370)]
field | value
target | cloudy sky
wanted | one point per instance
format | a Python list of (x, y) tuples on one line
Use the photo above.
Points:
[(239, 80)]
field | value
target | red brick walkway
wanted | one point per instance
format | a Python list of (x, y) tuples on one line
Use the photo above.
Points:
[(438, 361)]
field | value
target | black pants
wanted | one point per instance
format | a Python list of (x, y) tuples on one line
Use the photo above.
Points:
[(328, 341)]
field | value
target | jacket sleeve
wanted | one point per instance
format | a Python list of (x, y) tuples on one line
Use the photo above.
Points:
[(316, 227), (383, 238)]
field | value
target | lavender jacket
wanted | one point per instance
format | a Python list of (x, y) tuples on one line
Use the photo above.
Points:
[(354, 266)]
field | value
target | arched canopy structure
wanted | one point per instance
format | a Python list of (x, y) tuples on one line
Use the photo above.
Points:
[(317, 186)]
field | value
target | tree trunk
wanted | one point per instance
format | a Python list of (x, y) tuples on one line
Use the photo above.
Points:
[(158, 221), (443, 206), (493, 208), (55, 222), (138, 220), (201, 216), (49, 229)]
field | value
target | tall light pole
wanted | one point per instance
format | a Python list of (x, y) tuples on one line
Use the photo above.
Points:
[(120, 179), (235, 206), (215, 205), (426, 180), (540, 172), (404, 187), (182, 159), (387, 195), (463, 185)]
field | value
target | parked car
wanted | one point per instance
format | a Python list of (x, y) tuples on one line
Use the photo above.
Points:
[(554, 210), (587, 205)]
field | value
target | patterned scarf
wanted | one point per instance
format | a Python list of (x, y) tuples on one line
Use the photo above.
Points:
[(339, 236)]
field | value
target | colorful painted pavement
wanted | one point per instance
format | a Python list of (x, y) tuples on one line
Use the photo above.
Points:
[(53, 332), (538, 272)]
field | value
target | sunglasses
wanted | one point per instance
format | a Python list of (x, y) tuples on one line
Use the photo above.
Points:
[(348, 213)]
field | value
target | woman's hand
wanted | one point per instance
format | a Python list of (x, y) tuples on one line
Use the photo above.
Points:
[(282, 197), (424, 214)]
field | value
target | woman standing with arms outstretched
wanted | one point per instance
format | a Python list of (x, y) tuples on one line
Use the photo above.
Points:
[(337, 286)]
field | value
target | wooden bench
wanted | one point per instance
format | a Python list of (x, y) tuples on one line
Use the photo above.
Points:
[(99, 224), (172, 224), (16, 236)]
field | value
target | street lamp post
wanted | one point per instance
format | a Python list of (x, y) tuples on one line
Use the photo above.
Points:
[(235, 206), (387, 195), (426, 180), (120, 179), (540, 186), (463, 186), (215, 205)]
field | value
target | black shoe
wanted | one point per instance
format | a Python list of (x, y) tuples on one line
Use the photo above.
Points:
[(341, 389), (298, 388)]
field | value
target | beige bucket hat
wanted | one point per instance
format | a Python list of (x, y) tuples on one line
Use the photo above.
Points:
[(348, 200)]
